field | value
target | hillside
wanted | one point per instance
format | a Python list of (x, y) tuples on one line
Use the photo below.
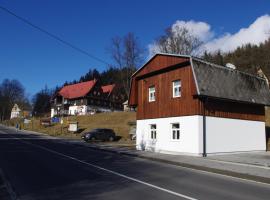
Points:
[(118, 121), (247, 58)]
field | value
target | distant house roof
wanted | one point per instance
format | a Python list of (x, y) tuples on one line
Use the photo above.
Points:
[(16, 108), (224, 83), (107, 88), (77, 90)]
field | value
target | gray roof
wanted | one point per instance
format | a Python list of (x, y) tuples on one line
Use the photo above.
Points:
[(225, 83)]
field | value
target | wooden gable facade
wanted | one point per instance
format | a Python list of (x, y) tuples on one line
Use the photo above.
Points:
[(160, 72)]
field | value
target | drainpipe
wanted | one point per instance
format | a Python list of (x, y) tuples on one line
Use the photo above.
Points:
[(204, 100)]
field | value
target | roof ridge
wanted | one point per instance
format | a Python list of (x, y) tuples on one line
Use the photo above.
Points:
[(224, 67), (108, 85), (80, 82)]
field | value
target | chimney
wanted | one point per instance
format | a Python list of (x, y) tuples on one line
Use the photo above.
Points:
[(262, 75)]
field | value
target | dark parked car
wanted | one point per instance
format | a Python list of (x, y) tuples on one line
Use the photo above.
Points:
[(103, 134)]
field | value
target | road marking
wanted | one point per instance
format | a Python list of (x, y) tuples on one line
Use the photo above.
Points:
[(3, 132), (8, 187), (112, 172), (16, 138)]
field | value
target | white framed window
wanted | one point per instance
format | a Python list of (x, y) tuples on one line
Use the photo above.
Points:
[(176, 88), (152, 93), (175, 131), (153, 131)]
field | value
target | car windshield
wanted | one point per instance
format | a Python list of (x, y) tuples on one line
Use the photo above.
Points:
[(96, 130)]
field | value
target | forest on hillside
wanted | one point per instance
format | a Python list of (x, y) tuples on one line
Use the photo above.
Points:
[(248, 58)]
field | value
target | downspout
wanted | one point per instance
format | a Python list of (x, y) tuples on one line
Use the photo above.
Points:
[(204, 100)]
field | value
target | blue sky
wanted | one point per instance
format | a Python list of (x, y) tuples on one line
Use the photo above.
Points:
[(37, 60)]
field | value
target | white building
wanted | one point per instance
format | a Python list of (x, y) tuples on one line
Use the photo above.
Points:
[(86, 98), (188, 106), (15, 112)]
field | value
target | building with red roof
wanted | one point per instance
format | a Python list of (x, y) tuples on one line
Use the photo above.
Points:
[(86, 97), (77, 90)]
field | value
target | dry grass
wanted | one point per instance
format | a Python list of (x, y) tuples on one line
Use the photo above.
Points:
[(118, 121)]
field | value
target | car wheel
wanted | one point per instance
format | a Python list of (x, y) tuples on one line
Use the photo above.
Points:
[(111, 138)]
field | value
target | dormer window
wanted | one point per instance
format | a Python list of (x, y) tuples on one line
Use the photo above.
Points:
[(152, 94), (176, 88)]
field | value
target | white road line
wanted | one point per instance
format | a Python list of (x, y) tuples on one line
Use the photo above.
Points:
[(113, 172), (16, 138), (3, 132)]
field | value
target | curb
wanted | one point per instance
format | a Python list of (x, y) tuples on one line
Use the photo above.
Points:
[(190, 166)]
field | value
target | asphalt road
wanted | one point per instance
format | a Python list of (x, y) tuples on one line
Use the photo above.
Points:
[(40, 168)]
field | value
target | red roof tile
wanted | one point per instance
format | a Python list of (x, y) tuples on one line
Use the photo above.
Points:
[(108, 88), (77, 90)]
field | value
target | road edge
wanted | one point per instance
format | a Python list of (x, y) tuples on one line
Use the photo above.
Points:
[(7, 186)]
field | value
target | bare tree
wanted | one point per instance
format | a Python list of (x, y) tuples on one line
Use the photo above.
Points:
[(11, 92), (127, 55), (178, 40)]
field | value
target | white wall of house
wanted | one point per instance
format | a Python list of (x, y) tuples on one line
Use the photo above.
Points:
[(234, 135), (222, 135), (189, 135), (52, 112), (79, 110), (15, 114)]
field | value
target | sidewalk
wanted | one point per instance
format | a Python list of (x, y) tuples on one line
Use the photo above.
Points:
[(252, 166)]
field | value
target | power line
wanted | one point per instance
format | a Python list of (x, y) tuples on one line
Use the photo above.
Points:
[(53, 36)]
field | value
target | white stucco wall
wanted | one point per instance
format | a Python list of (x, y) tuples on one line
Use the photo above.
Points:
[(222, 135), (52, 112), (79, 110), (15, 114), (233, 135), (189, 135)]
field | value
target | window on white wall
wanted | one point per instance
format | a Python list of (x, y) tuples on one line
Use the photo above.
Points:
[(152, 93), (153, 131), (176, 131), (176, 88)]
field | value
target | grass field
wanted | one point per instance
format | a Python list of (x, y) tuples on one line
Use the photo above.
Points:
[(118, 121)]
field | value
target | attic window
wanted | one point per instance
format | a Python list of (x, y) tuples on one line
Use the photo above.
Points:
[(176, 88), (152, 94)]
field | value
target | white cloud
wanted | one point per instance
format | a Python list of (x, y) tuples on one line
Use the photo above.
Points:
[(201, 30), (256, 33)]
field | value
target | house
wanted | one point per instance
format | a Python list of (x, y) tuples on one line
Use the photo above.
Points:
[(127, 108), (85, 98), (125, 105), (187, 105), (16, 112)]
